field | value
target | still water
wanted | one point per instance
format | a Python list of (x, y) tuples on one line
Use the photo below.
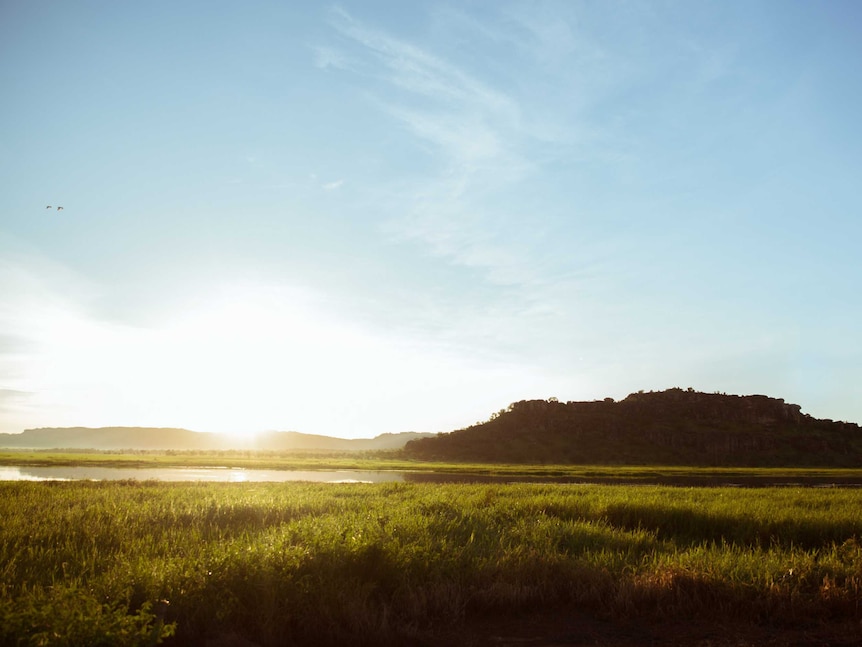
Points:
[(240, 475), (217, 474)]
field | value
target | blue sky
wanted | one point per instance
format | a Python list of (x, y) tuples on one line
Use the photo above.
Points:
[(375, 217)]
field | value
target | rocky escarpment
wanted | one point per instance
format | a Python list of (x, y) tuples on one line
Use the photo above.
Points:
[(673, 427)]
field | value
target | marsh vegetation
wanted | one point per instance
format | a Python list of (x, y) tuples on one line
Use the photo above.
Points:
[(299, 564)]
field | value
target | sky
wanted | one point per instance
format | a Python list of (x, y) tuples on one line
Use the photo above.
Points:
[(369, 217)]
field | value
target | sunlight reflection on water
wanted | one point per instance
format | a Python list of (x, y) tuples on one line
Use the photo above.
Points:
[(215, 474), (241, 475)]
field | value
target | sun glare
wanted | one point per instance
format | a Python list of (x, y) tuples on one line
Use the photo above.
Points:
[(233, 364), (245, 439), (244, 360), (249, 359)]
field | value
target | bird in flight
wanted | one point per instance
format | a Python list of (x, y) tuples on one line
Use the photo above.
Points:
[(59, 208), (49, 207)]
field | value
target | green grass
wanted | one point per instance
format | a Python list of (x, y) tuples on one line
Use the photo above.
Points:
[(300, 564)]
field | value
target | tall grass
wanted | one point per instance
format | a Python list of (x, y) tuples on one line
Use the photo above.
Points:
[(136, 563)]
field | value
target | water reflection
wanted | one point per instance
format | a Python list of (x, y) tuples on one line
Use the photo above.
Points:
[(214, 474), (240, 475)]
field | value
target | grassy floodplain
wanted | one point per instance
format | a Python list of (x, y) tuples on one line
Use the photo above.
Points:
[(136, 563)]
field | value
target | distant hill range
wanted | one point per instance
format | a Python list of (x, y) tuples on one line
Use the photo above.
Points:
[(118, 438), (673, 427)]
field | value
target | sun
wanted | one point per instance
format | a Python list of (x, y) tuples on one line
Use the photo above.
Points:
[(249, 359), (236, 363), (239, 439)]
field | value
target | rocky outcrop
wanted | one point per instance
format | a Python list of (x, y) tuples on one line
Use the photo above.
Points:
[(670, 427), (754, 409)]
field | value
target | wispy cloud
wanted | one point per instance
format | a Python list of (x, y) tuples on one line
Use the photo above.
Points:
[(473, 130), (326, 57), (480, 210), (465, 139), (416, 70), (466, 119), (332, 186)]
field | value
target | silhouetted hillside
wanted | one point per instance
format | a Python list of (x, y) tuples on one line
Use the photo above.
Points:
[(110, 438), (294, 440), (673, 427), (115, 438)]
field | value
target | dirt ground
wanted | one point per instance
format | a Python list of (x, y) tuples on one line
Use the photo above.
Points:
[(569, 629)]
